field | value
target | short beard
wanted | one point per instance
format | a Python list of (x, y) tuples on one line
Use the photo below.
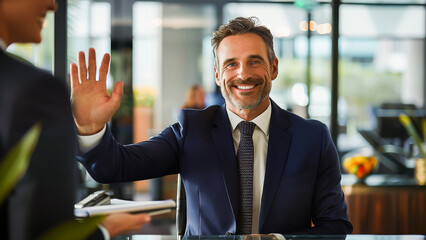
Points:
[(247, 105)]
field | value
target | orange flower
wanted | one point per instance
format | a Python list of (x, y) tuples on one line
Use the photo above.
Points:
[(360, 166)]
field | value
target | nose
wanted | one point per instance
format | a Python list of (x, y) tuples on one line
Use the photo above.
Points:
[(244, 72)]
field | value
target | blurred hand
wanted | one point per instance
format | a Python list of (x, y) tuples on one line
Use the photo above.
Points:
[(93, 106), (122, 223)]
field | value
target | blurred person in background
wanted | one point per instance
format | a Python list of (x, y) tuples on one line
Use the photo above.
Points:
[(195, 97)]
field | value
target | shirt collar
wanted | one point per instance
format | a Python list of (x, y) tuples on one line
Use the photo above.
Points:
[(2, 45), (262, 121)]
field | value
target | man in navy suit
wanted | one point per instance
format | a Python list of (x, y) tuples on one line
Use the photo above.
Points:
[(45, 196), (296, 177)]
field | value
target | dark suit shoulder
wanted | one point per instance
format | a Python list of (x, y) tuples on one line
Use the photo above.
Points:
[(208, 112), (28, 95), (12, 68), (17, 77), (19, 80), (199, 118)]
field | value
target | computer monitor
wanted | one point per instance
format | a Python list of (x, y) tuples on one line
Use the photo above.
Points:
[(388, 125)]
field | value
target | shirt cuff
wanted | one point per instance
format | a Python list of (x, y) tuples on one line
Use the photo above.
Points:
[(104, 232), (86, 143)]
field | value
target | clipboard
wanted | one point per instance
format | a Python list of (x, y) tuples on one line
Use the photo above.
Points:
[(118, 205)]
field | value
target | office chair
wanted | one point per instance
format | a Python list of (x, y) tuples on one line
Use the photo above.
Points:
[(180, 209)]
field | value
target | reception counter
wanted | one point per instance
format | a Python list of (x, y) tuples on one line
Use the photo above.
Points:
[(386, 204)]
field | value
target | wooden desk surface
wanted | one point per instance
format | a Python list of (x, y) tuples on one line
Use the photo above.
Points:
[(386, 208)]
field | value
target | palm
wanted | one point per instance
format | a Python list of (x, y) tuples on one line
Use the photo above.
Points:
[(93, 105), (90, 104)]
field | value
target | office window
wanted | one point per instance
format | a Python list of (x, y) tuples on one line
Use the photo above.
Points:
[(147, 38), (172, 52), (381, 61), (89, 25)]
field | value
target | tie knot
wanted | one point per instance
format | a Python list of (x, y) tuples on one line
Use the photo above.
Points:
[(246, 128)]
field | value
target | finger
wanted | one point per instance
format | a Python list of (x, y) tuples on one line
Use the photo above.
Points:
[(117, 92), (103, 70), (147, 219), (116, 95), (74, 75), (92, 64), (143, 218), (82, 66)]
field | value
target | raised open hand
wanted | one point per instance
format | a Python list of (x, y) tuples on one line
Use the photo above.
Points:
[(93, 106)]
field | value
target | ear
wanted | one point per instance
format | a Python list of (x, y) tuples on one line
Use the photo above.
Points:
[(274, 69), (216, 76)]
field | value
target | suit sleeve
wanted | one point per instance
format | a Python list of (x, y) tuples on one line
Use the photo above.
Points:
[(112, 162)]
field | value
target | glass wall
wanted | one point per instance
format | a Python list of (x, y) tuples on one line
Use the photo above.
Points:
[(381, 63), (171, 53), (89, 25)]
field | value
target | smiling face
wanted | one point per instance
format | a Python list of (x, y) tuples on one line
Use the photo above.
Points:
[(245, 74), (22, 20)]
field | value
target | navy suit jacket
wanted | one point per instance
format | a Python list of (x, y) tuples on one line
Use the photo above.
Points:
[(45, 196), (302, 178)]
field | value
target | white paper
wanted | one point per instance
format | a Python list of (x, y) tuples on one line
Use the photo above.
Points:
[(119, 205)]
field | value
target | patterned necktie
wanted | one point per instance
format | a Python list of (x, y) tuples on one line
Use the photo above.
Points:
[(245, 158)]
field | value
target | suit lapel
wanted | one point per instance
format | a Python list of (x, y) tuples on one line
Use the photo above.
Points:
[(278, 147), (222, 138)]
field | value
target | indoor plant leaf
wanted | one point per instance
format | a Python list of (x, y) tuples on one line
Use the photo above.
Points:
[(73, 229), (15, 163)]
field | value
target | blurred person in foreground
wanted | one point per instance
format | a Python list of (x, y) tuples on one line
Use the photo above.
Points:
[(45, 196), (294, 187)]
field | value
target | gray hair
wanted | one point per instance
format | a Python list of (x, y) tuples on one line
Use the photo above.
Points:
[(241, 25)]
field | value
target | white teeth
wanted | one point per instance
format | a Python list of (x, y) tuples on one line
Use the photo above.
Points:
[(245, 87)]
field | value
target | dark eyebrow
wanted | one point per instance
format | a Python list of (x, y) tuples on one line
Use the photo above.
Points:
[(257, 57), (228, 61)]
